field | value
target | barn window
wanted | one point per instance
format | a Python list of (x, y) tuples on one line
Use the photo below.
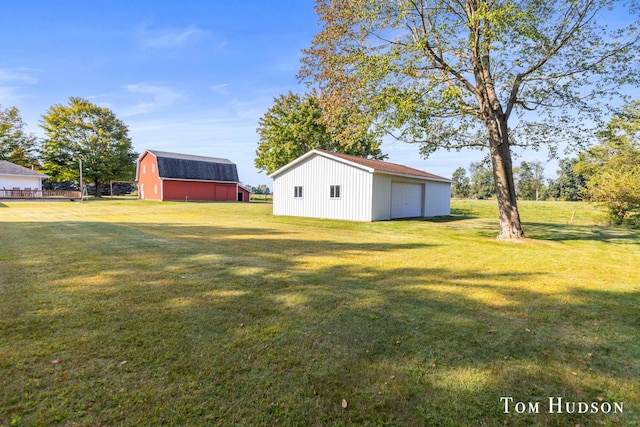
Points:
[(155, 188), (153, 167), (297, 191), (144, 168), (334, 191)]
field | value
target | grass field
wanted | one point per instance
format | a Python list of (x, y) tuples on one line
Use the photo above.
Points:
[(140, 313)]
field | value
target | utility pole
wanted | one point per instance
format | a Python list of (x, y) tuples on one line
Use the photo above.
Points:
[(81, 183)]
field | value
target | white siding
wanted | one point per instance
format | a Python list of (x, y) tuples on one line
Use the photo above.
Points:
[(437, 201), (316, 175), (436, 198), (364, 196), (381, 209), (8, 182)]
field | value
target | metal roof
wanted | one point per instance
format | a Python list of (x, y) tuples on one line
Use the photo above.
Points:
[(8, 168), (200, 168), (380, 166)]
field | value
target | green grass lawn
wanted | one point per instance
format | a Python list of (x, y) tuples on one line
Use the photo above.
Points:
[(140, 313)]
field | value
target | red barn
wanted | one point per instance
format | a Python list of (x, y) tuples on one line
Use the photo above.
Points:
[(173, 176)]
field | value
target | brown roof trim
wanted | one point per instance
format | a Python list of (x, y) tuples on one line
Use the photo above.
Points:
[(385, 167)]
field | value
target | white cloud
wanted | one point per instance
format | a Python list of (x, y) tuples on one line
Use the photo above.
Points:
[(150, 97), (170, 37), (11, 82), (220, 88), (20, 75)]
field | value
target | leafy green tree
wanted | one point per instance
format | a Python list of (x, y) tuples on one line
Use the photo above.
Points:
[(293, 126), (529, 183), (84, 131), (461, 186), (261, 189), (467, 73), (16, 146), (569, 184), (483, 185), (612, 168)]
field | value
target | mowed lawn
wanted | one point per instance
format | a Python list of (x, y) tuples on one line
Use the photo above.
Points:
[(140, 313)]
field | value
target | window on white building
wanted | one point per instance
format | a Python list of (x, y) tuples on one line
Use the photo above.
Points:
[(297, 191), (334, 191)]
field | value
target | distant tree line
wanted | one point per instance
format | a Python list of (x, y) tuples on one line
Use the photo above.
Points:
[(529, 181), (260, 189), (78, 133), (607, 173)]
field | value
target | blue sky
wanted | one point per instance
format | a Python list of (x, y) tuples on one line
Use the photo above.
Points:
[(191, 76)]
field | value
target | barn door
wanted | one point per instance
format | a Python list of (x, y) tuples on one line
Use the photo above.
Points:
[(406, 200)]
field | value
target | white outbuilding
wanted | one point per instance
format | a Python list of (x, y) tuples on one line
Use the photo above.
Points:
[(323, 184), (16, 177)]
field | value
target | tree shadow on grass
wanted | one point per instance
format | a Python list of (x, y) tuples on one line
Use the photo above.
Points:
[(211, 231), (569, 232), (464, 212), (231, 328), (447, 218), (559, 232), (457, 214)]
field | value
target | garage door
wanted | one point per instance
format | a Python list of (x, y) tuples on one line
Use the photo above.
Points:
[(406, 200)]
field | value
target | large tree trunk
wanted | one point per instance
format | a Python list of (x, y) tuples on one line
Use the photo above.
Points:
[(510, 226), (97, 193), (495, 120)]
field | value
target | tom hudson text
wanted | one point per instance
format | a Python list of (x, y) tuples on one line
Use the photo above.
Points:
[(558, 405)]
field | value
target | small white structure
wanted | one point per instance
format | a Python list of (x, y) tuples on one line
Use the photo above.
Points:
[(322, 184), (16, 177)]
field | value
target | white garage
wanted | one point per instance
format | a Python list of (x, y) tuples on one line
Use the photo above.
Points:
[(322, 184), (406, 200)]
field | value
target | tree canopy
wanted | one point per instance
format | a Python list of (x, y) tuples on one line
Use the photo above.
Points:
[(84, 131), (16, 145), (483, 185), (484, 74), (612, 168), (529, 178), (569, 184), (293, 126), (461, 185)]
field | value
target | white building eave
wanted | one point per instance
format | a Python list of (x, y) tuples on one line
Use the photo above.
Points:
[(353, 164), (318, 153), (421, 178), (25, 176)]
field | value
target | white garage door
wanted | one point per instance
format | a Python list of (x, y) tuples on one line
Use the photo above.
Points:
[(406, 200)]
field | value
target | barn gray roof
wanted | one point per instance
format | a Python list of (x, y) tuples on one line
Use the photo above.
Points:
[(8, 168), (187, 166)]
